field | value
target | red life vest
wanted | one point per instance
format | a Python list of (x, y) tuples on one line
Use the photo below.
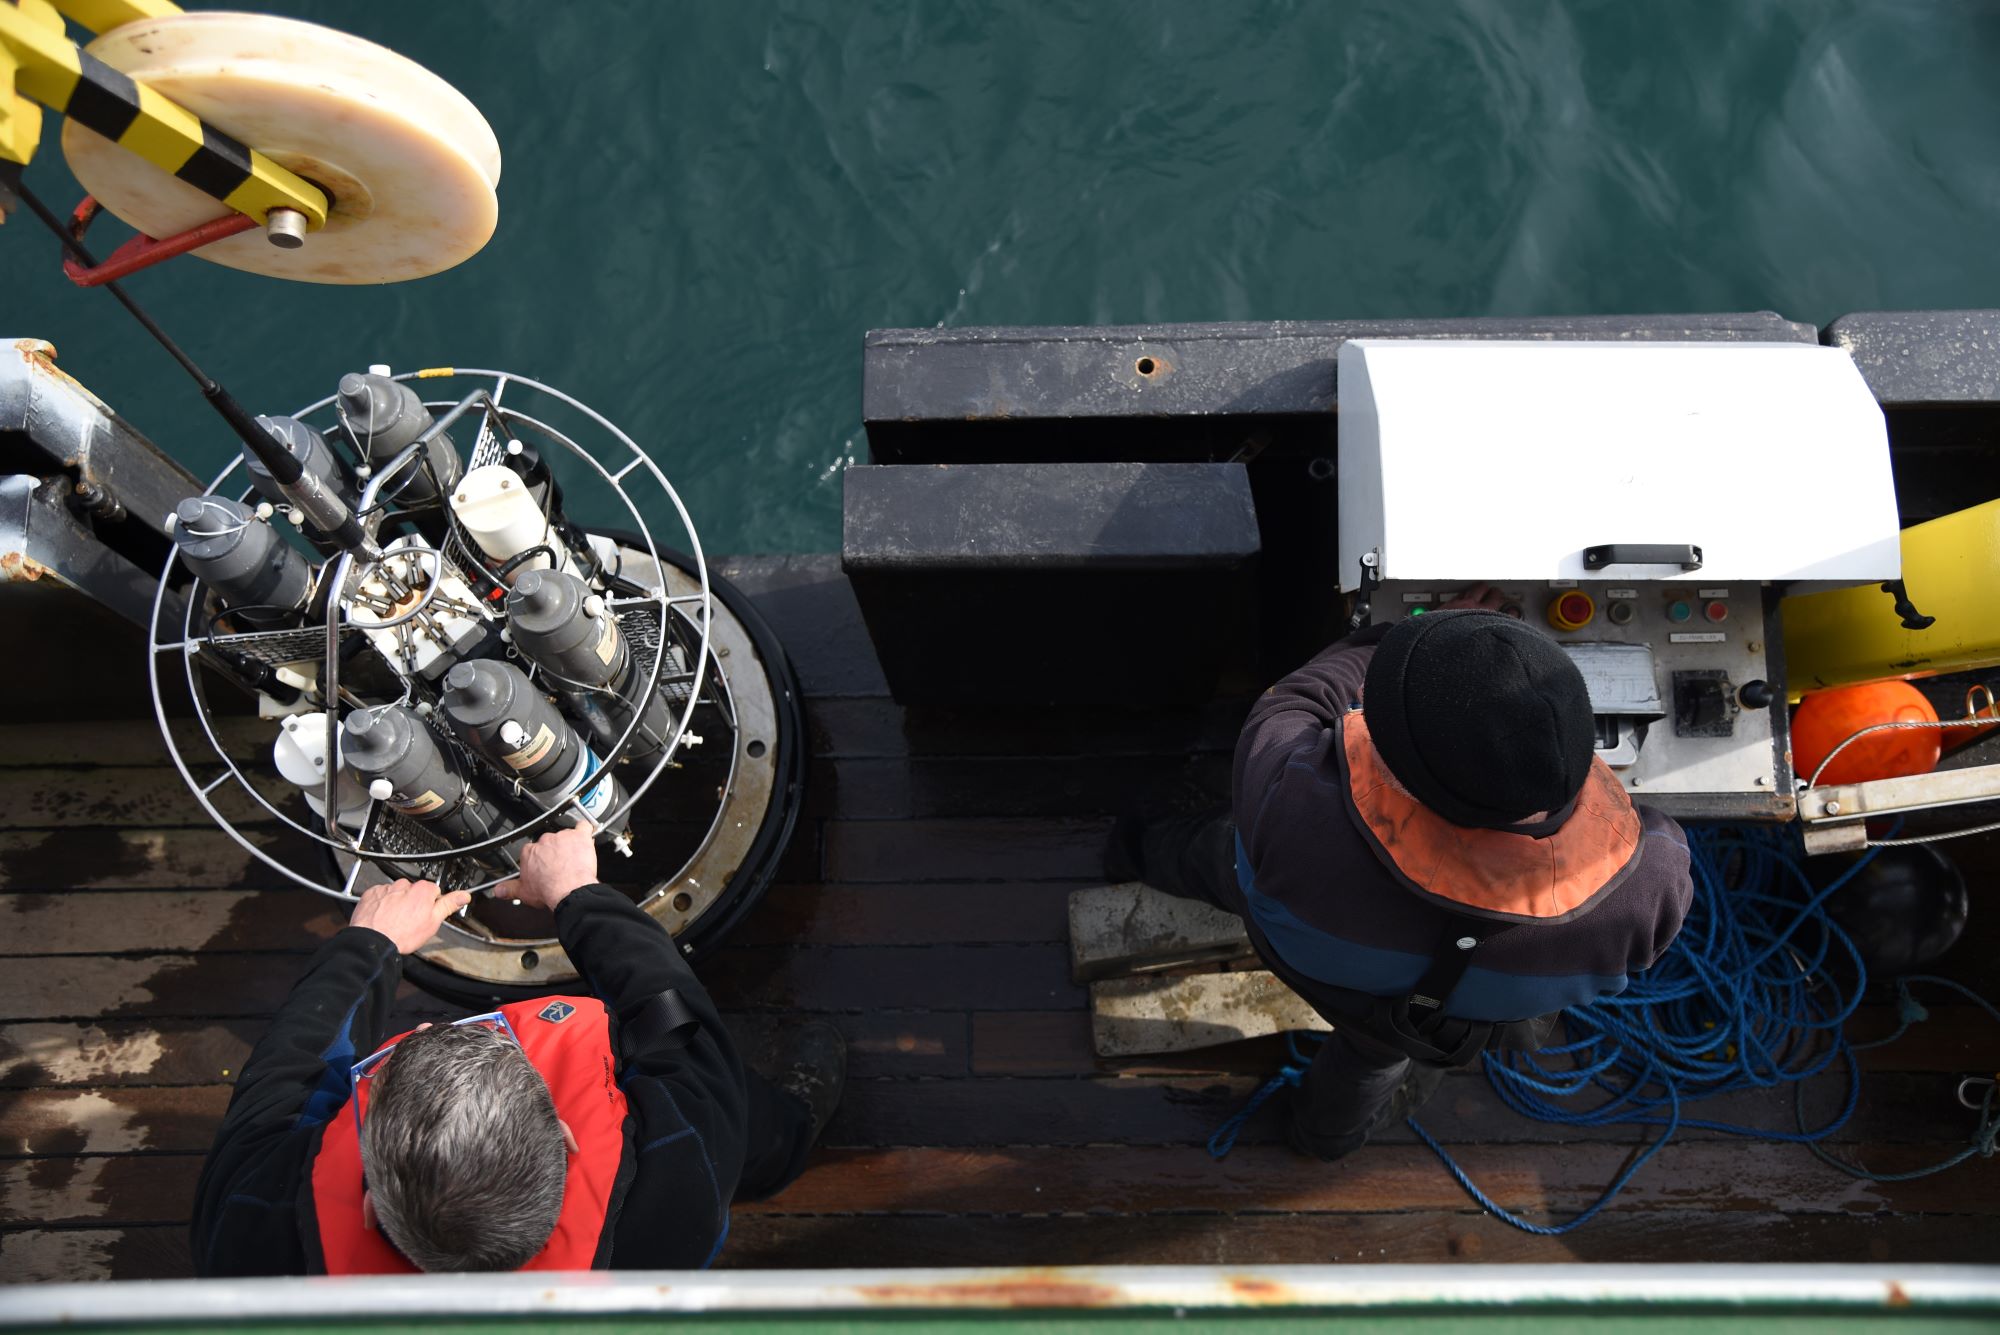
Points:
[(568, 1040)]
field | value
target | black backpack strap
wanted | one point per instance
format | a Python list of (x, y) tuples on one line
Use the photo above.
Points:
[(1450, 958)]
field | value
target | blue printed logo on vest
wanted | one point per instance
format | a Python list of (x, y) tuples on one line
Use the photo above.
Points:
[(557, 1011)]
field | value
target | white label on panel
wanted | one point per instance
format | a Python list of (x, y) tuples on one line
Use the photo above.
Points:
[(1621, 593), (1698, 637), (1562, 583), (1416, 597), (1712, 593)]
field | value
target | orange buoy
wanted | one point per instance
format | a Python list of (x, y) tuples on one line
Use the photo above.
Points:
[(1825, 719)]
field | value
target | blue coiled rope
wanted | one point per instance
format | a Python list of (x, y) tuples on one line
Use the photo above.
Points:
[(1752, 994), (1291, 1073)]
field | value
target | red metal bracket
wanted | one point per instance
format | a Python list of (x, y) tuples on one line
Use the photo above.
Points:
[(143, 252)]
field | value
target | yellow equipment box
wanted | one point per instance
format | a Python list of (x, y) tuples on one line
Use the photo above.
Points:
[(1951, 568)]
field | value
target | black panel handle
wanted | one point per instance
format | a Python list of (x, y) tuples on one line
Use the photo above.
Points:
[(1685, 555)]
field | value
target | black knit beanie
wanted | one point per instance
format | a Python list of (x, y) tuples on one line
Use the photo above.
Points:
[(1482, 719)]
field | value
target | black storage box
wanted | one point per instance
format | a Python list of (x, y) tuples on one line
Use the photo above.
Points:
[(1120, 585)]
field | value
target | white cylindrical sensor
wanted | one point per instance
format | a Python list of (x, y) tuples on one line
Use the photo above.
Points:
[(497, 510), (300, 755)]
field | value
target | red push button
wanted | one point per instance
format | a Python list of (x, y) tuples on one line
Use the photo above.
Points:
[(1717, 611), (1572, 610)]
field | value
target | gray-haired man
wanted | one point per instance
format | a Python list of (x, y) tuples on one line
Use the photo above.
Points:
[(562, 1133)]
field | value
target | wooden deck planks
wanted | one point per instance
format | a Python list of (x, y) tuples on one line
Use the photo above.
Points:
[(922, 909), (141, 1189), (1184, 1109), (66, 860), (53, 1256), (127, 986), (121, 1189), (155, 1052), (1155, 1179), (910, 915), (115, 1053), (944, 976), (119, 797), (1404, 1237), (122, 921), (1041, 1043), (156, 1119), (1417, 1237), (964, 849)]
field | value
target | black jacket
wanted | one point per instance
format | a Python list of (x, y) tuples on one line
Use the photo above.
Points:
[(1331, 918), (689, 1131)]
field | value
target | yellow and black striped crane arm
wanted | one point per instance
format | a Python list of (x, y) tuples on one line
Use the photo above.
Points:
[(40, 65)]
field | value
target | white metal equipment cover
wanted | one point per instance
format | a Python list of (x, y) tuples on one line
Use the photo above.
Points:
[(1468, 460)]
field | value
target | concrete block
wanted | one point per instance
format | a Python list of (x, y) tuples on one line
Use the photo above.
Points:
[(1129, 928), (1139, 1016)]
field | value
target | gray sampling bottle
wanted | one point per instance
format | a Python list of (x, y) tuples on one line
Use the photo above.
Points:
[(500, 714), (401, 763), (316, 457), (246, 561), (382, 416), (571, 635)]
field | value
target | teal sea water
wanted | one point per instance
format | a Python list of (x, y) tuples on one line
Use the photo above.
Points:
[(705, 204)]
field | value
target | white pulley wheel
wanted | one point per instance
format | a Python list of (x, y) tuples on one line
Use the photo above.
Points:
[(410, 164)]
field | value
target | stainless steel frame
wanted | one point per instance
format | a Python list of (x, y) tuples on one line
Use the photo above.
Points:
[(189, 644)]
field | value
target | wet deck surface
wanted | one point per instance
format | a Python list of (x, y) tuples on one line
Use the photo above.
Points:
[(922, 909)]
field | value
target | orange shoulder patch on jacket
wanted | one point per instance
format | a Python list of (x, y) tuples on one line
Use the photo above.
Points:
[(1493, 869)]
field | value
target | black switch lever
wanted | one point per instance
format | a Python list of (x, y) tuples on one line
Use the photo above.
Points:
[(1704, 703), (1912, 618)]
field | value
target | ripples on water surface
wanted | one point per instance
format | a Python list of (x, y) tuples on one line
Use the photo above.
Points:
[(704, 205)]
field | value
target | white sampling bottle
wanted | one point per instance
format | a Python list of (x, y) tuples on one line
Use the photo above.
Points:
[(500, 512)]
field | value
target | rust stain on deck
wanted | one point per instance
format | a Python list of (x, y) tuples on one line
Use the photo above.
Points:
[(1253, 1289), (1028, 1288)]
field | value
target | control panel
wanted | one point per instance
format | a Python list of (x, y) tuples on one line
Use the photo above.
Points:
[(1679, 678)]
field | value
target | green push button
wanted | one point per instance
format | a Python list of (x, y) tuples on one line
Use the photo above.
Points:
[(1679, 611)]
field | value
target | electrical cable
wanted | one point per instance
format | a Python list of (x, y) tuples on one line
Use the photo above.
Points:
[(232, 525), (281, 465), (521, 558), (1910, 1011)]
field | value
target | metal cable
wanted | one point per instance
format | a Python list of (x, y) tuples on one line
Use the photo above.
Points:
[(1932, 838), (1975, 722)]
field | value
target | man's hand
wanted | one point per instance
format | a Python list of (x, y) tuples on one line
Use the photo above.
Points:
[(1479, 596), (553, 866), (407, 912)]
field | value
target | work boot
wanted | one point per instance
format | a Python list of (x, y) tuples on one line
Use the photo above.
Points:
[(1411, 1093), (813, 1068), (1148, 834)]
